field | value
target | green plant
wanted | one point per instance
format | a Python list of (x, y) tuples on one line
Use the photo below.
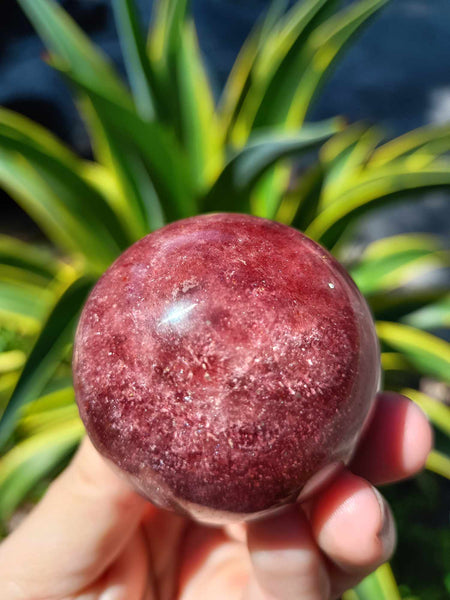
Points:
[(165, 149)]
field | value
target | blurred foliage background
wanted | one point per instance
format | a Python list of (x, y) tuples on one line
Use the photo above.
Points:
[(166, 147)]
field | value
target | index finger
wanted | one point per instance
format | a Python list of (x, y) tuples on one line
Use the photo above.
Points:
[(396, 443)]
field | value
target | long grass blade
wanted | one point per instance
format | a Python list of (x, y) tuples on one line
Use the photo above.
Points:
[(233, 188), (323, 49), (434, 316), (158, 150), (393, 262), (46, 353), (439, 463), (430, 354), (63, 37), (30, 258), (371, 190), (136, 59), (33, 458), (83, 201), (277, 67), (380, 585)]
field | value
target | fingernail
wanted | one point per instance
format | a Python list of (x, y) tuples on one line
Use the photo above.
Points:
[(387, 533), (384, 523)]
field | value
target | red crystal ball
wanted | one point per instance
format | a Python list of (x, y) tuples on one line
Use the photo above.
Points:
[(222, 362)]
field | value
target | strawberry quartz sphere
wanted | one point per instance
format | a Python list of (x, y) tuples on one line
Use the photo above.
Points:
[(226, 365)]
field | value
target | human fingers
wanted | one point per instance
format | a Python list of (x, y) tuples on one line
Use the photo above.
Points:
[(126, 578), (396, 443), (81, 525), (353, 527), (211, 566), (287, 562), (164, 531)]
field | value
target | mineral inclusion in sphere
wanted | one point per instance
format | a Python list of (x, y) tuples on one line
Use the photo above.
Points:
[(224, 364)]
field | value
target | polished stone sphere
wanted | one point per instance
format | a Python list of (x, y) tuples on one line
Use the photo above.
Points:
[(223, 363)]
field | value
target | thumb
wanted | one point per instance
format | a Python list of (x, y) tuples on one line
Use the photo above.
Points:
[(81, 525)]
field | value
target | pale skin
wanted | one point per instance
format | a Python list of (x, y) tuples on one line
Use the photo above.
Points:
[(92, 538)]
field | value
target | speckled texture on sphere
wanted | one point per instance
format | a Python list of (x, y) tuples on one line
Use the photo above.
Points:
[(222, 361)]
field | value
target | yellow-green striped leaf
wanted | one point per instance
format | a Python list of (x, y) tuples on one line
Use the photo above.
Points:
[(373, 189), (26, 301), (321, 52), (61, 395), (29, 258), (393, 262), (380, 585), (439, 463), (232, 190), (60, 216), (433, 316), (136, 59), (345, 156), (199, 127), (430, 355), (63, 37), (11, 360), (159, 152), (430, 137), (277, 69), (46, 353), (239, 79), (30, 460)]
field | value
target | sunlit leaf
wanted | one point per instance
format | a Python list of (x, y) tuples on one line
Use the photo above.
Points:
[(136, 59), (30, 460), (85, 204), (399, 303), (159, 151), (430, 317), (28, 257), (431, 137), (46, 353), (185, 99), (233, 188), (61, 395), (63, 37), (136, 196), (44, 420), (380, 585), (300, 204), (7, 384), (199, 128), (167, 23), (322, 50), (11, 360), (53, 212), (431, 355), (345, 156), (268, 193), (394, 361), (165, 44), (26, 301), (396, 261), (239, 79), (120, 176), (73, 51), (372, 190), (439, 463), (277, 69)]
